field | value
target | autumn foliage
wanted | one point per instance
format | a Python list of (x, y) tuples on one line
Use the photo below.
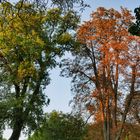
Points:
[(106, 68)]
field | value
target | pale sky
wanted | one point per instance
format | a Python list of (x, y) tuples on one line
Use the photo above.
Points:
[(59, 89)]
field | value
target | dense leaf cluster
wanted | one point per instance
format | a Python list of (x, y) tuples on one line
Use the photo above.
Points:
[(60, 126), (135, 27)]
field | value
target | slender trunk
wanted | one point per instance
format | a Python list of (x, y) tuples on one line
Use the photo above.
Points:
[(124, 117), (108, 118), (115, 103), (115, 96), (115, 112), (114, 117), (108, 130), (115, 91), (104, 121), (105, 129), (128, 102), (16, 130), (18, 121)]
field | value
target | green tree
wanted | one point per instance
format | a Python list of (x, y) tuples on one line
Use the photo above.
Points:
[(31, 39), (135, 27), (60, 126)]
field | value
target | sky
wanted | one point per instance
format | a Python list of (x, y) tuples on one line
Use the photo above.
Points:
[(59, 89)]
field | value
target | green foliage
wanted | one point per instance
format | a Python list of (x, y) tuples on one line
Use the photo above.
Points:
[(135, 27), (60, 126), (69, 4), (31, 39)]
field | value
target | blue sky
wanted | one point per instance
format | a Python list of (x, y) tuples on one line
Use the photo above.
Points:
[(116, 4), (59, 89)]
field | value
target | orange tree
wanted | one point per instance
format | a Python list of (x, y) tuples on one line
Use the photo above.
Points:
[(105, 68)]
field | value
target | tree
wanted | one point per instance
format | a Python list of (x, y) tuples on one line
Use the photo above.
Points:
[(60, 126), (133, 114), (31, 39), (95, 131), (105, 68), (70, 4), (62, 4)]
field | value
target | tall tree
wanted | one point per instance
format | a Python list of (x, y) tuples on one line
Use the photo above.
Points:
[(105, 67), (61, 126), (31, 39)]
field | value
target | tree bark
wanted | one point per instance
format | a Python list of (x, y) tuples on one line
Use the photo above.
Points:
[(128, 102), (116, 96), (108, 118), (16, 130), (104, 121), (105, 129), (18, 116)]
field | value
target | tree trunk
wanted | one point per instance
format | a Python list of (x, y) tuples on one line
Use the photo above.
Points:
[(104, 121), (108, 118), (16, 130), (115, 112), (128, 102), (18, 117), (108, 130), (115, 91), (114, 117), (105, 129)]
